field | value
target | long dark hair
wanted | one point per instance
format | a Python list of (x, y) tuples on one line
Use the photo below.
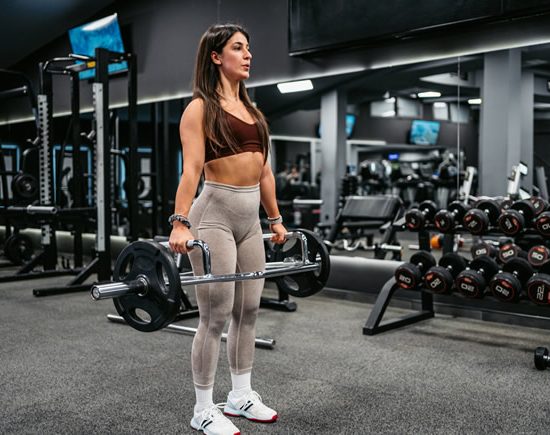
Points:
[(205, 86)]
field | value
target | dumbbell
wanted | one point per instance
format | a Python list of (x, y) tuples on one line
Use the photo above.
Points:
[(538, 286), (539, 203), (508, 251), (542, 223), (538, 255), (542, 360), (478, 219), (515, 219), (409, 275), (472, 281), (483, 248), (416, 218), (446, 220), (440, 279), (506, 285)]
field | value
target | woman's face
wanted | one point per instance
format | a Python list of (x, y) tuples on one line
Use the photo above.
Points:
[(234, 60)]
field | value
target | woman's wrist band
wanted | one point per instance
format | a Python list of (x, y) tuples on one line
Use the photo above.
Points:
[(277, 220), (180, 218)]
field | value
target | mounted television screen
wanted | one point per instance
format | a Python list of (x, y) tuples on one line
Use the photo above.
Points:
[(350, 125), (424, 132), (103, 33)]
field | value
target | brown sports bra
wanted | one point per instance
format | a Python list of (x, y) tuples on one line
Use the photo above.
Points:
[(246, 136)]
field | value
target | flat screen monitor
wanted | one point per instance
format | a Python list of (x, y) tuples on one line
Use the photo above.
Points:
[(102, 33), (424, 132), (350, 125)]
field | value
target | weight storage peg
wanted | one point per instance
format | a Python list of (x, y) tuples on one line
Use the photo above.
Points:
[(473, 281), (542, 360), (538, 286), (515, 219), (439, 279), (538, 255), (416, 218), (478, 219), (506, 285), (446, 220), (409, 275)]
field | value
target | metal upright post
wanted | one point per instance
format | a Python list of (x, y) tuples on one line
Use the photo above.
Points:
[(77, 176), (132, 176)]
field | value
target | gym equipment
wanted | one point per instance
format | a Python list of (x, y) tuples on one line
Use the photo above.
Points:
[(507, 285), (538, 286), (147, 293), (478, 219), (542, 223), (484, 248), (542, 360), (18, 248), (446, 220), (439, 279), (409, 275), (508, 251), (538, 255), (416, 218), (515, 219), (472, 281), (539, 203)]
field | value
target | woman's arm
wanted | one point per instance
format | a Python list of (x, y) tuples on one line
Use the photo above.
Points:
[(192, 140), (269, 202)]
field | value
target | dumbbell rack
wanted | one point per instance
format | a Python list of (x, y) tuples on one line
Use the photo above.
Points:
[(492, 310)]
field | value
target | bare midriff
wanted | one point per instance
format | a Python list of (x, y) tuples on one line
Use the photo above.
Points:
[(243, 169)]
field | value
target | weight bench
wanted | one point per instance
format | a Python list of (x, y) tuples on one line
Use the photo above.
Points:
[(363, 216)]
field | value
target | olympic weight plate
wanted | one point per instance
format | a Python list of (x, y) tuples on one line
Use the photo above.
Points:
[(24, 186), (18, 248), (302, 285), (160, 303)]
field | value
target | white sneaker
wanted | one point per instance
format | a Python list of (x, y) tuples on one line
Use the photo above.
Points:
[(250, 406), (211, 421)]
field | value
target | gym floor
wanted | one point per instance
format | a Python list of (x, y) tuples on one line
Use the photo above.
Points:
[(64, 368)]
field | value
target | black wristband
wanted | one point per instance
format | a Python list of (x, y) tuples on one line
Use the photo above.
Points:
[(180, 218)]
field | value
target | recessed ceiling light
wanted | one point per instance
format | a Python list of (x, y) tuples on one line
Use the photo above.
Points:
[(474, 101), (429, 94), (440, 104)]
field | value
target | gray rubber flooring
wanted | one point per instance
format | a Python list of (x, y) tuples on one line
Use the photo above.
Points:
[(65, 369)]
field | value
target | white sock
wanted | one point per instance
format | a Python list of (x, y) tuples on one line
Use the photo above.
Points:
[(204, 399), (241, 384)]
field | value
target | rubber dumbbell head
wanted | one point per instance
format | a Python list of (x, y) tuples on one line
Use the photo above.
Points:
[(416, 218), (507, 285), (483, 248), (446, 220), (538, 286), (439, 279), (508, 251), (542, 360), (409, 275), (538, 255), (542, 223), (517, 217), (478, 219), (539, 203), (473, 281)]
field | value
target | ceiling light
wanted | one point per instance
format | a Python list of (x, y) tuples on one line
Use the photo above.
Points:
[(298, 86), (390, 100), (440, 104), (474, 101), (429, 94)]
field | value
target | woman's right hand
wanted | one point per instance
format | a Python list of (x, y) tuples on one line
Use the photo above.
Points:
[(179, 237)]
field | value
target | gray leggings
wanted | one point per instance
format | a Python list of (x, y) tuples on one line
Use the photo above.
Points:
[(226, 218)]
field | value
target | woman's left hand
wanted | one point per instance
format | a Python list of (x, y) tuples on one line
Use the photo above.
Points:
[(279, 232)]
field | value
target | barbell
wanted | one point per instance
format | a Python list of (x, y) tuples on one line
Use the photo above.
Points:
[(147, 288)]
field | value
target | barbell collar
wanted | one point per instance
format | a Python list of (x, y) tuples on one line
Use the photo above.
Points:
[(116, 289)]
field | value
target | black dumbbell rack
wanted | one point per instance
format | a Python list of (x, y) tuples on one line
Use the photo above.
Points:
[(492, 310)]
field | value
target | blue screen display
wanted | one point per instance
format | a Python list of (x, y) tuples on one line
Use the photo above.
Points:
[(424, 132), (104, 33), (350, 125), (394, 156)]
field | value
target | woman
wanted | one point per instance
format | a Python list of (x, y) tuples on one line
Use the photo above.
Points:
[(225, 136)]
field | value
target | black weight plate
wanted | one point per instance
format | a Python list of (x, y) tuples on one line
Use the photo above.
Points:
[(538, 255), (491, 207), (305, 284), (519, 266), (541, 358), (459, 209), (483, 248), (508, 251), (18, 248), (538, 289), (415, 219), (542, 223), (470, 283), (161, 302), (511, 222), (526, 207), (454, 261), (444, 220), (24, 186), (425, 258), (476, 221), (429, 208), (408, 276)]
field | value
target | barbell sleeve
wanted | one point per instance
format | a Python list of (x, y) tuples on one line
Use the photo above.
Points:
[(116, 289)]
